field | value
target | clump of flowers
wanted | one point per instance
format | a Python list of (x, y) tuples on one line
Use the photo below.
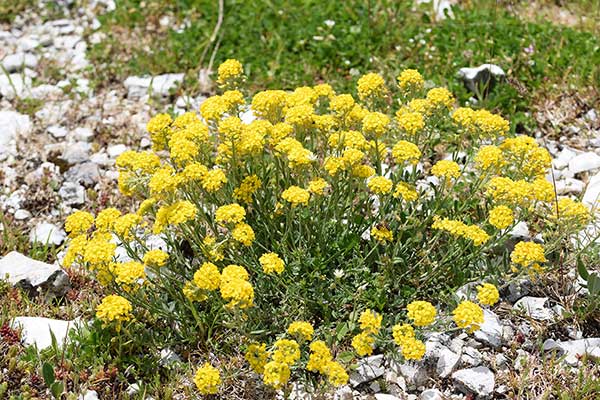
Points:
[(259, 214)]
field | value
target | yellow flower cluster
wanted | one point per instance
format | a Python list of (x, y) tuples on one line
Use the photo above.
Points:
[(296, 195), (446, 169), (371, 86), (404, 151), (229, 71), (370, 323), (487, 294), (501, 217), (572, 213), (468, 315), (421, 312), (382, 234), (78, 223), (410, 122), (440, 97), (247, 188), (230, 214), (207, 379), (405, 191), (380, 185), (271, 263), (410, 80), (115, 309), (528, 255), (301, 329), (155, 258), (458, 228), (257, 357)]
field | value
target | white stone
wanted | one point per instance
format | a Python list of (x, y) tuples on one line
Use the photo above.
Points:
[(83, 134), (431, 394), (592, 193), (47, 233), (16, 62), (21, 215), (116, 150), (536, 308), (57, 131), (12, 125), (86, 174), (573, 350), (563, 158), (88, 395), (447, 362), (77, 152), (383, 396), (484, 74), (490, 332), (584, 162), (36, 330), (471, 356), (569, 185), (32, 274), (43, 92), (14, 85), (520, 230), (479, 381), (168, 357), (440, 7), (139, 86), (72, 193), (368, 369)]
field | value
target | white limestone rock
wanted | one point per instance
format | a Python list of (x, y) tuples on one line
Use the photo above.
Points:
[(584, 162), (36, 331), (573, 350), (139, 86), (17, 61), (47, 234), (33, 276), (368, 369), (479, 381)]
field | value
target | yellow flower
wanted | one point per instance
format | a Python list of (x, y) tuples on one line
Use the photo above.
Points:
[(286, 351), (380, 185), (318, 186), (489, 157), (79, 222), (410, 122), (402, 332), (269, 104), (257, 356), (421, 312), (375, 124), (468, 315), (412, 349), (271, 263), (501, 217), (229, 71), (410, 80), (116, 309), (571, 212), (363, 344), (407, 192), (490, 125), (146, 206), (405, 151), (487, 294), (336, 374), (106, 219), (371, 86), (301, 329), (99, 250), (319, 357), (296, 195), (207, 379), (155, 258), (214, 180), (464, 117), (247, 188), (243, 233), (440, 97), (124, 225), (341, 104), (230, 214), (382, 234), (276, 374), (446, 168), (370, 321), (129, 274), (527, 253), (207, 277), (299, 116), (213, 108)]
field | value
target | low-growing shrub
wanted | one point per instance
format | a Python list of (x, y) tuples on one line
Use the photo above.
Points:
[(321, 215)]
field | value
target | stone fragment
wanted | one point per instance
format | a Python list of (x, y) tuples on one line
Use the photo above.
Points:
[(17, 61), (584, 162), (481, 79), (47, 234), (447, 362), (37, 331), (431, 394), (573, 350), (72, 193), (33, 276), (479, 381), (490, 332), (368, 369), (161, 85), (536, 308)]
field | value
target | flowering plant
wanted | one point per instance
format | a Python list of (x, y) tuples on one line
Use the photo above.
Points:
[(309, 206)]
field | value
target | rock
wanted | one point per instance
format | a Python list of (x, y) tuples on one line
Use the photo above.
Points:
[(343, 393), (479, 381), (584, 162), (591, 115), (383, 396), (468, 291), (21, 215), (447, 362), (83, 134), (16, 62), (47, 234), (431, 394), (480, 80), (36, 330), (471, 357), (139, 86), (116, 150), (441, 8), (516, 290), (89, 395), (569, 185), (591, 197), (45, 92), (73, 194), (414, 373), (573, 350), (57, 131), (14, 85), (13, 124), (490, 332), (86, 174), (168, 357), (563, 158), (368, 369), (32, 275), (536, 308), (77, 152)]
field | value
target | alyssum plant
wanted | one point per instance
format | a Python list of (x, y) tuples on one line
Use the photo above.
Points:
[(308, 208)]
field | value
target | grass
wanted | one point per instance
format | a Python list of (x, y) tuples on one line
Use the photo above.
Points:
[(292, 44)]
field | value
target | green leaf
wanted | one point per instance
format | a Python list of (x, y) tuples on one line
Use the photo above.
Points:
[(593, 284), (581, 269), (48, 374), (57, 389), (341, 331)]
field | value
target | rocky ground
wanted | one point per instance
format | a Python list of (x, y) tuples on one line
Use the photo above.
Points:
[(60, 133)]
